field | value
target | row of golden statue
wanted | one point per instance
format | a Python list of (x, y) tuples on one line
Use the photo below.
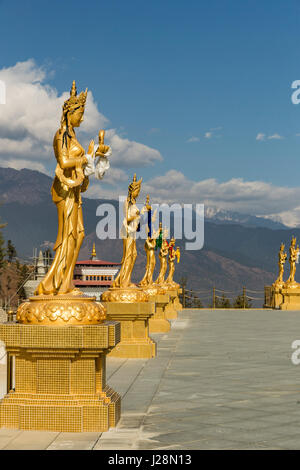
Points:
[(293, 259), (61, 337), (285, 295)]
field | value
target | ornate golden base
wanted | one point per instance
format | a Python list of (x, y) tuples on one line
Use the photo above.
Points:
[(291, 285), (158, 323), (170, 286), (153, 290), (60, 378), (134, 318), (61, 310), (130, 294), (291, 298)]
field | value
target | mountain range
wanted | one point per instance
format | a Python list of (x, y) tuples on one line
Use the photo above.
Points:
[(239, 249)]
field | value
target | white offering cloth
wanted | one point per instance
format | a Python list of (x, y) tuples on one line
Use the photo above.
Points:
[(98, 165)]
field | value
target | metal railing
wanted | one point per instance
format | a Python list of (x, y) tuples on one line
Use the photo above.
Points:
[(214, 295)]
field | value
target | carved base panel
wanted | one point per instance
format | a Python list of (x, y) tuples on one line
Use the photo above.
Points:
[(158, 322), (135, 350), (291, 299), (170, 311), (277, 299), (174, 306), (61, 413), (134, 318), (60, 378), (159, 325)]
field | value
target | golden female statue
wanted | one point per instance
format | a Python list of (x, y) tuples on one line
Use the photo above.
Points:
[(128, 232), (56, 301), (294, 253), (151, 261), (71, 179), (281, 261), (150, 245), (163, 253), (171, 259)]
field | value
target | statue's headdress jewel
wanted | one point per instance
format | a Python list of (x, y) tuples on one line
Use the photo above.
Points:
[(75, 101)]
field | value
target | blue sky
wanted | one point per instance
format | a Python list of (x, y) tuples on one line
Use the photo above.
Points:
[(197, 81)]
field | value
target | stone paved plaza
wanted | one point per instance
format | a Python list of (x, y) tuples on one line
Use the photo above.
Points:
[(222, 379)]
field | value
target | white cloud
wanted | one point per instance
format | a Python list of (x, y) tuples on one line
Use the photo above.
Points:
[(116, 178), (193, 139), (261, 136), (32, 115), (275, 136), (130, 154), (248, 197), (212, 132), (20, 164)]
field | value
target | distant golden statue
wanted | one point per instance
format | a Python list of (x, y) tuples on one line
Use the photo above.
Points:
[(171, 259), (128, 232), (163, 255), (281, 261), (150, 263), (71, 179), (294, 253), (150, 245)]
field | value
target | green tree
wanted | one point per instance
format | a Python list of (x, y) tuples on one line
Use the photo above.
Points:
[(224, 302), (197, 302), (241, 302), (2, 249), (23, 273), (11, 251), (221, 302), (2, 259)]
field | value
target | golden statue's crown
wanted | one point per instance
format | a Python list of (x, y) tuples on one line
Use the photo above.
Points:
[(135, 184), (75, 101)]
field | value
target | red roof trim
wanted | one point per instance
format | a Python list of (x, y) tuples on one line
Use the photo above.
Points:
[(97, 262), (78, 282)]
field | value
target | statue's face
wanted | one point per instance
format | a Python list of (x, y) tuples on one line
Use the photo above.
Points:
[(135, 193), (76, 117)]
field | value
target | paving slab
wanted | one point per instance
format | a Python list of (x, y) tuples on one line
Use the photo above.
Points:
[(222, 379), (31, 440)]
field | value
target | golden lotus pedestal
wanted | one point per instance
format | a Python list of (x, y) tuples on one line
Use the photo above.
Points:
[(291, 298), (158, 323), (59, 368)]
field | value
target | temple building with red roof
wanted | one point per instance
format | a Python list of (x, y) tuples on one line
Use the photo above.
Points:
[(93, 276)]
